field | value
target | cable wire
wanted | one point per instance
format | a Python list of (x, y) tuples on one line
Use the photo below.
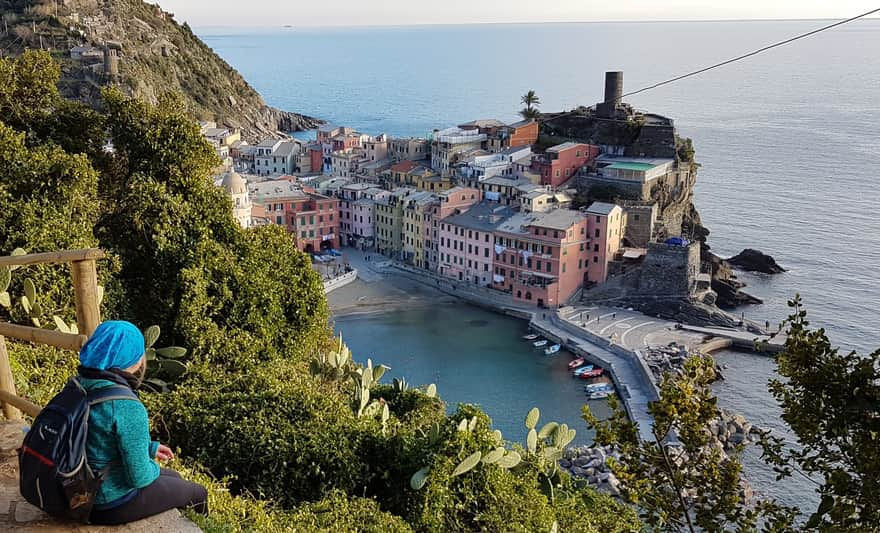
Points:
[(735, 59)]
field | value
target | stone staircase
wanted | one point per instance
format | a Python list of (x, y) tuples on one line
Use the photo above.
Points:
[(18, 516)]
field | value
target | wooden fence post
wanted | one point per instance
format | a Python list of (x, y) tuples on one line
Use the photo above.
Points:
[(85, 288), (7, 382)]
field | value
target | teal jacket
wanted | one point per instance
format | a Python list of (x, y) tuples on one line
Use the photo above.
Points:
[(119, 433)]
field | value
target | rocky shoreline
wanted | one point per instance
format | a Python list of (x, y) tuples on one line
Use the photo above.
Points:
[(591, 463)]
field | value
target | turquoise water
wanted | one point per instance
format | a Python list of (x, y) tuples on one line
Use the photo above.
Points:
[(473, 356)]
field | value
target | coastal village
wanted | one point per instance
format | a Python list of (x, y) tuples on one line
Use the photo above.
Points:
[(478, 203)]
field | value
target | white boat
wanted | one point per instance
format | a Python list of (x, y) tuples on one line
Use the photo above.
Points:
[(596, 387), (539, 343), (552, 349), (582, 369), (599, 395), (530, 336)]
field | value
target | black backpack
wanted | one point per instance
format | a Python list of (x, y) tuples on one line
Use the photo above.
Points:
[(54, 474)]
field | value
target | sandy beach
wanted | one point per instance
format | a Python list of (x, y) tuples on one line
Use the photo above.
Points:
[(391, 293)]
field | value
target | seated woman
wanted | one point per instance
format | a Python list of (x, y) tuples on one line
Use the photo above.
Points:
[(119, 435)]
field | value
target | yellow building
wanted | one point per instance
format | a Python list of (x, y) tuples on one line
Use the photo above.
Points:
[(389, 222), (416, 229)]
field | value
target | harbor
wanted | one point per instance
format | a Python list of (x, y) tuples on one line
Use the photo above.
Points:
[(615, 340)]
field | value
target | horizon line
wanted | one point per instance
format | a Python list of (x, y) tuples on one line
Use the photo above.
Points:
[(517, 23)]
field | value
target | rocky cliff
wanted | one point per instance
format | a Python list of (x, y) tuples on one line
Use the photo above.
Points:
[(152, 54)]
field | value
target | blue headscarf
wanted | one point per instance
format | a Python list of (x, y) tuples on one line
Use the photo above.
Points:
[(115, 344)]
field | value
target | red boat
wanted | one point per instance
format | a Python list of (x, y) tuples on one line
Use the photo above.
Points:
[(576, 363), (596, 372)]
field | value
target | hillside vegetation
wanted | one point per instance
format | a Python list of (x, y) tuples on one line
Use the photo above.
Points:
[(156, 55)]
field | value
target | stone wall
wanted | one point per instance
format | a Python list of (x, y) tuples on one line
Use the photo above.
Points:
[(669, 270), (640, 218)]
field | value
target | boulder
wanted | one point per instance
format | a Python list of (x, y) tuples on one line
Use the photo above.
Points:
[(756, 261)]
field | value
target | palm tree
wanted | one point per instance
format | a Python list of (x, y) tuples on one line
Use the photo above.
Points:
[(531, 99), (530, 113)]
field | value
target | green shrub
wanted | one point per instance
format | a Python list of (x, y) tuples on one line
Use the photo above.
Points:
[(338, 513), (279, 433), (40, 371)]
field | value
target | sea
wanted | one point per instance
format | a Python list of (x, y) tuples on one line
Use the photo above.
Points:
[(788, 142)]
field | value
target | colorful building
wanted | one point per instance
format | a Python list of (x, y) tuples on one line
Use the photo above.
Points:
[(416, 229), (541, 258), (561, 162), (312, 218), (389, 222), (452, 202), (522, 133), (605, 231), (466, 246)]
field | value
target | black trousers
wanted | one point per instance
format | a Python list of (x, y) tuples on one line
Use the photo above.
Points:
[(169, 491)]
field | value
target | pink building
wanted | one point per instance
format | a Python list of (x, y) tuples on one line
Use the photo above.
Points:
[(561, 162), (541, 258), (605, 231), (454, 201), (466, 247)]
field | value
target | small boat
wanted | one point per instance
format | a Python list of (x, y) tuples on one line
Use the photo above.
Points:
[(552, 349), (576, 363), (599, 395), (596, 387), (582, 369), (594, 373), (530, 336), (539, 343)]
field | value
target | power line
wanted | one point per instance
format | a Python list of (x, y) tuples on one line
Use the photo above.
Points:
[(753, 53), (738, 58)]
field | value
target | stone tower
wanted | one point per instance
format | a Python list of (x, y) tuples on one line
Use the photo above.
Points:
[(613, 95)]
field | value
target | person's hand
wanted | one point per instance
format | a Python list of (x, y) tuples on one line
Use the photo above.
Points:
[(164, 453)]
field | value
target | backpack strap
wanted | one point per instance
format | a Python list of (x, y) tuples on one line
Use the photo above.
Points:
[(116, 392)]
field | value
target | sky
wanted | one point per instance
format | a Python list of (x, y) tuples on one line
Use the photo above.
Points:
[(302, 13)]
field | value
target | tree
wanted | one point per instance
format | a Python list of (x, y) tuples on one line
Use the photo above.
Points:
[(831, 401), (682, 480), (531, 101)]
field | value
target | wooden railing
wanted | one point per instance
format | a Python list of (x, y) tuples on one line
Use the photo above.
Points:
[(88, 316)]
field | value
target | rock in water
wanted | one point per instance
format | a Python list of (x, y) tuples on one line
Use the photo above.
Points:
[(756, 261)]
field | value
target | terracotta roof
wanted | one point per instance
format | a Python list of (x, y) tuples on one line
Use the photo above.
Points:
[(404, 166)]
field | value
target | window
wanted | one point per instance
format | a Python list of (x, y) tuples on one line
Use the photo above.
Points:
[(487, 237), (578, 153), (595, 247), (549, 267), (529, 262), (302, 220), (312, 220), (636, 217), (595, 259), (538, 265), (580, 264), (597, 232), (555, 234), (582, 247), (563, 268), (311, 233), (303, 235), (278, 220), (520, 261), (485, 252), (598, 219)]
